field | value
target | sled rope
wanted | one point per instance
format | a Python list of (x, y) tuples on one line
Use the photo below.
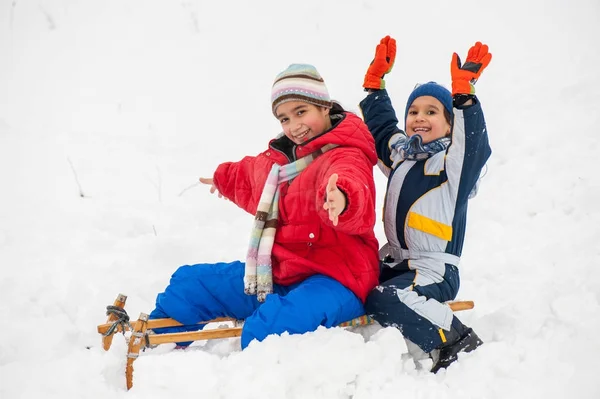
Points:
[(122, 319)]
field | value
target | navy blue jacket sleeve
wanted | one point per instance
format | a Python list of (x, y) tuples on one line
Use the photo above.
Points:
[(380, 117), (469, 150)]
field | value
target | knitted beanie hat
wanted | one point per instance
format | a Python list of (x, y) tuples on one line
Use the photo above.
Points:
[(300, 82), (430, 89)]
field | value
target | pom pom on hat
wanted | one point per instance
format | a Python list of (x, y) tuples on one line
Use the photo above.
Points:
[(300, 82), (432, 89)]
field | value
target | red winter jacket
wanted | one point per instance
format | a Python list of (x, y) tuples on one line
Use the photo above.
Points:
[(306, 242)]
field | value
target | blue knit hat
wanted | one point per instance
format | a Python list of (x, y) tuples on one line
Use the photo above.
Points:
[(300, 82), (430, 89)]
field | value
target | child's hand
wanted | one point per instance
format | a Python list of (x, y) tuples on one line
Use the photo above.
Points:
[(213, 188), (385, 55), (335, 201), (465, 76)]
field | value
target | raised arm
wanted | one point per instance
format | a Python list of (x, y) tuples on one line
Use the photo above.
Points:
[(470, 148), (377, 109)]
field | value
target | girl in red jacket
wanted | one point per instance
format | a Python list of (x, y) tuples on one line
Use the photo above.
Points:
[(313, 255)]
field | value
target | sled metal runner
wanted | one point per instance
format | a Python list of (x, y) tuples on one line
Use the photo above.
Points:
[(140, 338)]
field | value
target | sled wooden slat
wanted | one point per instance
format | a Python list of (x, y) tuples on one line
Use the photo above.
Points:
[(155, 339), (457, 306), (136, 342), (160, 323)]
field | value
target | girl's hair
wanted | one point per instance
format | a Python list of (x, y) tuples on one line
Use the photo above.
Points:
[(336, 108)]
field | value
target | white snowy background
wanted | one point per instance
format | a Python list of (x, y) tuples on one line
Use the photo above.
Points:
[(110, 110)]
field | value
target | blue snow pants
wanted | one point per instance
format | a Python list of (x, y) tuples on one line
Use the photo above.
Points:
[(388, 303), (206, 291)]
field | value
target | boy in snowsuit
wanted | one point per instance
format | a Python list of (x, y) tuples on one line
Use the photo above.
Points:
[(432, 166), (313, 255)]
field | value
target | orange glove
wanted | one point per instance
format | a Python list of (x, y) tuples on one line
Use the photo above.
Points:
[(385, 55), (465, 76)]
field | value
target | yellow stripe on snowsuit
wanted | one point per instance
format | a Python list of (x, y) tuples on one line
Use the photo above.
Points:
[(430, 226), (442, 335)]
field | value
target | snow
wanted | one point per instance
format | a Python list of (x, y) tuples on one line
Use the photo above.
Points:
[(111, 110)]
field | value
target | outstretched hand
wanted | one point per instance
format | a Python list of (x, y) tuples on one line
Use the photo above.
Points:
[(213, 188), (465, 75), (382, 64), (335, 200)]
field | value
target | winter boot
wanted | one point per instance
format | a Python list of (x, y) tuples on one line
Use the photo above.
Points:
[(459, 339)]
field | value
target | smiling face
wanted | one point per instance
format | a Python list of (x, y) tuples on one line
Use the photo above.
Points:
[(426, 118), (302, 121)]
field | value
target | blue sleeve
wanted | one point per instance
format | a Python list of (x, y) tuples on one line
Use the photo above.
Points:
[(380, 117), (469, 150)]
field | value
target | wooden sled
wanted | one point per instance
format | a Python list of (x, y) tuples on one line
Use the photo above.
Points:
[(118, 321)]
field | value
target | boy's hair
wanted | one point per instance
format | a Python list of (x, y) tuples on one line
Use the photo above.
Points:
[(300, 82), (449, 117)]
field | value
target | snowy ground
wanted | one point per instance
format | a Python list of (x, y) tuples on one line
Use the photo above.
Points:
[(111, 110)]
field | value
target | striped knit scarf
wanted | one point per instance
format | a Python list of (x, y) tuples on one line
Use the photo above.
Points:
[(258, 276)]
